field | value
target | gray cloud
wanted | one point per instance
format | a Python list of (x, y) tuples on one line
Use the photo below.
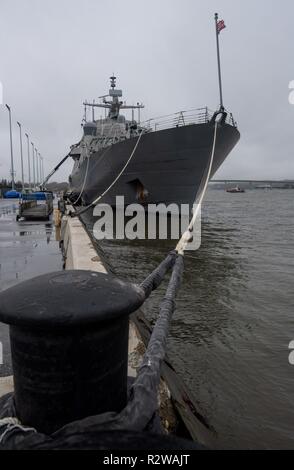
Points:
[(55, 54)]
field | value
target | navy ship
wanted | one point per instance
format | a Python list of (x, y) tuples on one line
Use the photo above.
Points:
[(162, 160)]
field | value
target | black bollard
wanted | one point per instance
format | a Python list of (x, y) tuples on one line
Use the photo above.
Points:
[(69, 345)]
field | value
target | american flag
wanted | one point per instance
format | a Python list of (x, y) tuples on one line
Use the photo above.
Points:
[(220, 25)]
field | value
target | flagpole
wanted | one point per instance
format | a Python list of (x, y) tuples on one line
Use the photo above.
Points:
[(218, 63)]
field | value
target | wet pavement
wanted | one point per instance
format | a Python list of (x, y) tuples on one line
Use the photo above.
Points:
[(27, 249)]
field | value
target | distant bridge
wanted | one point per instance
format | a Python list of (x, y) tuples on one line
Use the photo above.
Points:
[(254, 181)]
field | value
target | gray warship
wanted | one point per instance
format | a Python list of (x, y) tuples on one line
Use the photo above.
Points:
[(164, 160)]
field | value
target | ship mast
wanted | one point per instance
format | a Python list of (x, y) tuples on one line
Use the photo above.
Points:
[(219, 25), (115, 104)]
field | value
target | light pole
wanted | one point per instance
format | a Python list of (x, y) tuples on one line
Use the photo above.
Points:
[(29, 163), (37, 167), (11, 149), (41, 168), (34, 173), (21, 155)]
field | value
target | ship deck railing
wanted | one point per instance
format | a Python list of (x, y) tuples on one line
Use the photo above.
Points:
[(184, 118)]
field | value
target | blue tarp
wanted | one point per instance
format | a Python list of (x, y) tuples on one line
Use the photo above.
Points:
[(37, 196), (12, 194)]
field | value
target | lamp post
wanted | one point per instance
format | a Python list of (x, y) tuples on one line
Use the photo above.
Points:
[(11, 149), (41, 168), (37, 167), (29, 163), (34, 172), (21, 155)]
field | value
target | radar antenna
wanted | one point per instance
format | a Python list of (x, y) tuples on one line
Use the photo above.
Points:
[(115, 104), (112, 81)]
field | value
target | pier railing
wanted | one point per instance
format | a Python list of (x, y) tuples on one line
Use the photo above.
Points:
[(184, 118)]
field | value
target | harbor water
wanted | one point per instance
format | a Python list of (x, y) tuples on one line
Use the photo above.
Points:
[(234, 319)]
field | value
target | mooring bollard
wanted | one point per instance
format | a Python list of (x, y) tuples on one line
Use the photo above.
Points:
[(69, 345)]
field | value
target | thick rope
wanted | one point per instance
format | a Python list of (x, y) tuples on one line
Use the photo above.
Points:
[(120, 173), (143, 402), (9, 425), (187, 235), (155, 278), (85, 178)]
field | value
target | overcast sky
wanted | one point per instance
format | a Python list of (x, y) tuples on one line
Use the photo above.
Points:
[(56, 53)]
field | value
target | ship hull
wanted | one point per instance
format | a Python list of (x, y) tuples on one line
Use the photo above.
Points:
[(168, 166)]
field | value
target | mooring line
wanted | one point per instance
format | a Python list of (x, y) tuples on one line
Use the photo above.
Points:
[(187, 235)]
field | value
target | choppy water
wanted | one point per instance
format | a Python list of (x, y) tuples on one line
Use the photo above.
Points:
[(234, 319)]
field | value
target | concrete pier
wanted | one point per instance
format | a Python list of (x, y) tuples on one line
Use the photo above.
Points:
[(77, 248)]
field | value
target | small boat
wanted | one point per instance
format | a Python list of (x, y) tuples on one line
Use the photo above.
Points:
[(237, 189)]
